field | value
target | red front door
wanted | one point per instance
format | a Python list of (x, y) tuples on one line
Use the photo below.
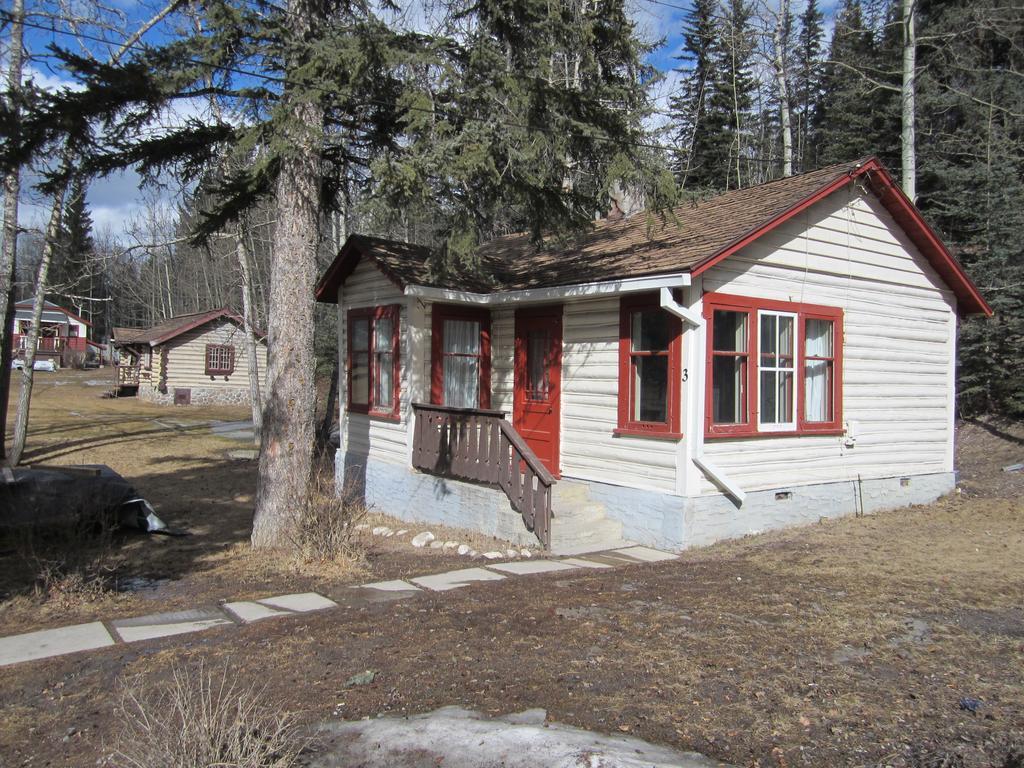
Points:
[(536, 410)]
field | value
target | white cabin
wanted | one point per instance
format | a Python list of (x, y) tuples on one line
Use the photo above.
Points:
[(768, 357)]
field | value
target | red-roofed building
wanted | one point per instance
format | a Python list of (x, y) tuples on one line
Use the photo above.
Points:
[(63, 335)]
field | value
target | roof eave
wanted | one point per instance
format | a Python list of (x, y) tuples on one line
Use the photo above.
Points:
[(344, 264), (906, 214)]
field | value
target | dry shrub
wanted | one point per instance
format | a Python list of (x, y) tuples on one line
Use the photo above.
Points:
[(72, 560), (202, 718), (323, 529)]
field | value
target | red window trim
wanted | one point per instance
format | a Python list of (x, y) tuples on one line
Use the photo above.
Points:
[(438, 315), (669, 429), (391, 311), (804, 312), (220, 371)]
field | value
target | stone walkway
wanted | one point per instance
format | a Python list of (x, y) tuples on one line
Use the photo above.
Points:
[(94, 635)]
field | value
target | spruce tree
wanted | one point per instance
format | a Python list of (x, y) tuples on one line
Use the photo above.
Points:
[(694, 136), (843, 121), (528, 110)]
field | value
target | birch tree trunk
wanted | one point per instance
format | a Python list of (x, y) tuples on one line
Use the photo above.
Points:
[(8, 253), (28, 370), (286, 453), (251, 346), (779, 65), (908, 139)]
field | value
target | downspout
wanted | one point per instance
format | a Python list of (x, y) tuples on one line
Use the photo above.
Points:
[(713, 473)]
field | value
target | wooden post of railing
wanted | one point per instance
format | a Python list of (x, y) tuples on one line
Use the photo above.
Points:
[(480, 445)]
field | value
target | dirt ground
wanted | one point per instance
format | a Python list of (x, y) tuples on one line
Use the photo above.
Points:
[(852, 642), (177, 463)]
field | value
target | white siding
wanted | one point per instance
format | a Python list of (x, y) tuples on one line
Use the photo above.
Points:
[(503, 345), (590, 402), (186, 358), (899, 325), (379, 438)]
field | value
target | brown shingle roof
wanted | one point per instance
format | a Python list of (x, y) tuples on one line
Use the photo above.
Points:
[(124, 335), (641, 245), (175, 326), (689, 239)]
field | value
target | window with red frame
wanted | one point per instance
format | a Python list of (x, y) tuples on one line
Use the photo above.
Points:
[(220, 359), (650, 368), (460, 359), (373, 364), (772, 367)]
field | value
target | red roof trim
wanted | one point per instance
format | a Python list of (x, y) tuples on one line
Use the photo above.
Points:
[(344, 265), (55, 308), (905, 214)]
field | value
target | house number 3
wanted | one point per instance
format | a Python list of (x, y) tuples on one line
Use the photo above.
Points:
[(686, 374)]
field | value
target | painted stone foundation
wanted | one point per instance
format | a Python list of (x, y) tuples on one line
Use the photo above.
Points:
[(200, 395), (416, 497), (654, 519), (675, 523)]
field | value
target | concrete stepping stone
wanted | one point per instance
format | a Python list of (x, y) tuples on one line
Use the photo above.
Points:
[(301, 602), (53, 642), (645, 554), (168, 624), (580, 562), (248, 611), (533, 566), (442, 582), (395, 585)]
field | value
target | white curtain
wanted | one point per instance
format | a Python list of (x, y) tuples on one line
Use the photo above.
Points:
[(384, 384), (817, 372), (461, 348)]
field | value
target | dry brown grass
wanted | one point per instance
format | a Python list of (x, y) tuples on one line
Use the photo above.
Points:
[(323, 529), (203, 718)]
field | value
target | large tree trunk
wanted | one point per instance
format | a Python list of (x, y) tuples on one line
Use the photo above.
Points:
[(908, 139), (251, 346), (286, 454), (28, 370), (8, 253)]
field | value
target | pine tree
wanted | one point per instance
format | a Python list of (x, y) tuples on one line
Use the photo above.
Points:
[(694, 137), (971, 181), (844, 121), (73, 270)]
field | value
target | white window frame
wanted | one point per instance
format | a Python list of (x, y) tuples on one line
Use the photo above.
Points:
[(793, 367)]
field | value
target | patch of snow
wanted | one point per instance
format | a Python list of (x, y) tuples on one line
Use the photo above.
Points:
[(422, 539), (460, 738)]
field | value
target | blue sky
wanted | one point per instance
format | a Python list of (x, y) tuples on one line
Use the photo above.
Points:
[(114, 201)]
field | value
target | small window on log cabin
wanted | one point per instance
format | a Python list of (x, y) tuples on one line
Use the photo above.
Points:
[(220, 359)]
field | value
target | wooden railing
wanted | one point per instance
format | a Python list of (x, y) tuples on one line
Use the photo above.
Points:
[(127, 375), (479, 445), (43, 343)]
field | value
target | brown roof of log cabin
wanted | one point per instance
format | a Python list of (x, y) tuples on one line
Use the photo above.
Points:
[(690, 238), (125, 335), (175, 326)]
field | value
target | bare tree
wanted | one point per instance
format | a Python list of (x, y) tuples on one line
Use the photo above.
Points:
[(12, 189), (244, 266), (39, 301), (908, 149)]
